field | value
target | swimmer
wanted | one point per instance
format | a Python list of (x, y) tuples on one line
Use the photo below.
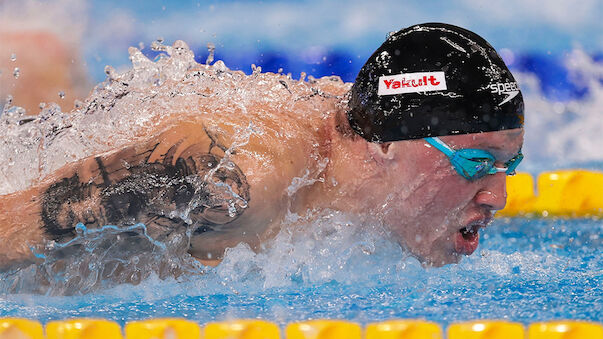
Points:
[(423, 141)]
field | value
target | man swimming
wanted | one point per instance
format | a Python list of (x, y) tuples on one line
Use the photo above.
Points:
[(423, 141)]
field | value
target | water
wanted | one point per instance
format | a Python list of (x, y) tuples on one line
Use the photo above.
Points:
[(326, 265), (152, 94), (525, 271)]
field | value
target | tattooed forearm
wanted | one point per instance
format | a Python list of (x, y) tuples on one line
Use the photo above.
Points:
[(165, 194)]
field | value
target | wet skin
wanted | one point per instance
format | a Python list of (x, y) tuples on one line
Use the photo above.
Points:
[(145, 184), (183, 176), (429, 207), (178, 171)]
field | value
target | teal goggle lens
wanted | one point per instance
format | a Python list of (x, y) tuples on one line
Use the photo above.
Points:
[(473, 164)]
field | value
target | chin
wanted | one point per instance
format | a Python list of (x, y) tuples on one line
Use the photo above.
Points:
[(439, 260)]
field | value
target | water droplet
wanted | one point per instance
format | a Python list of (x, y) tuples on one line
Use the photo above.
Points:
[(61, 94), (280, 70), (80, 229), (232, 211), (160, 40), (78, 103), (16, 72), (242, 203), (42, 105), (302, 76), (255, 69), (13, 57), (210, 48), (141, 45), (157, 46), (110, 71)]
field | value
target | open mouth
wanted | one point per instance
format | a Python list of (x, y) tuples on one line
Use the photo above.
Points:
[(466, 239), (469, 233)]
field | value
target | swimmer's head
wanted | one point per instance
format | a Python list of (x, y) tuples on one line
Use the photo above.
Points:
[(431, 80)]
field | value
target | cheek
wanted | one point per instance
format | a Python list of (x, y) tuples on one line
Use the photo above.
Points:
[(434, 207)]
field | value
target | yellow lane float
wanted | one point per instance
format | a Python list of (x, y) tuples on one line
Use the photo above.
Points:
[(566, 193)]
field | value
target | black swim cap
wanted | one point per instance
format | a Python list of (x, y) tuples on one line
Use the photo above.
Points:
[(433, 79)]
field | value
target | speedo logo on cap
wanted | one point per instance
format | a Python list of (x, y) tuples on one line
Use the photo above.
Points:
[(510, 89), (411, 83)]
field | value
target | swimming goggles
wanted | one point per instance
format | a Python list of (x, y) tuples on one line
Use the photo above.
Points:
[(473, 164)]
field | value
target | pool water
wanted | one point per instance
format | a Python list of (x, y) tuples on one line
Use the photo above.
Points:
[(525, 270)]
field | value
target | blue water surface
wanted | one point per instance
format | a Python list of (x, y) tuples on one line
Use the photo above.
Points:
[(525, 270)]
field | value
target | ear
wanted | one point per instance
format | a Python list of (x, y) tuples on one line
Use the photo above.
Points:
[(381, 152)]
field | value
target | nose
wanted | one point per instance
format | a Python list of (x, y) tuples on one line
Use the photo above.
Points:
[(493, 195)]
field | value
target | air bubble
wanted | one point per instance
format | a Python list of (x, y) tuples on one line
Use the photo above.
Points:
[(110, 71)]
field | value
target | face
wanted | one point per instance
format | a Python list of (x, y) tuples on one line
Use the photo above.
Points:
[(432, 210)]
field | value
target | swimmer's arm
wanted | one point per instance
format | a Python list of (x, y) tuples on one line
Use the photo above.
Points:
[(19, 217), (50, 210), (74, 193)]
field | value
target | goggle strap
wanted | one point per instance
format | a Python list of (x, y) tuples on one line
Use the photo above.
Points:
[(440, 145), (495, 170)]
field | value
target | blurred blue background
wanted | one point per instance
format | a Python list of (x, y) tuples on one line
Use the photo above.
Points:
[(318, 37), (335, 38), (554, 48)]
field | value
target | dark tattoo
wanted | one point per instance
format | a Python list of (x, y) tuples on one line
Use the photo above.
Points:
[(205, 190), (55, 206)]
